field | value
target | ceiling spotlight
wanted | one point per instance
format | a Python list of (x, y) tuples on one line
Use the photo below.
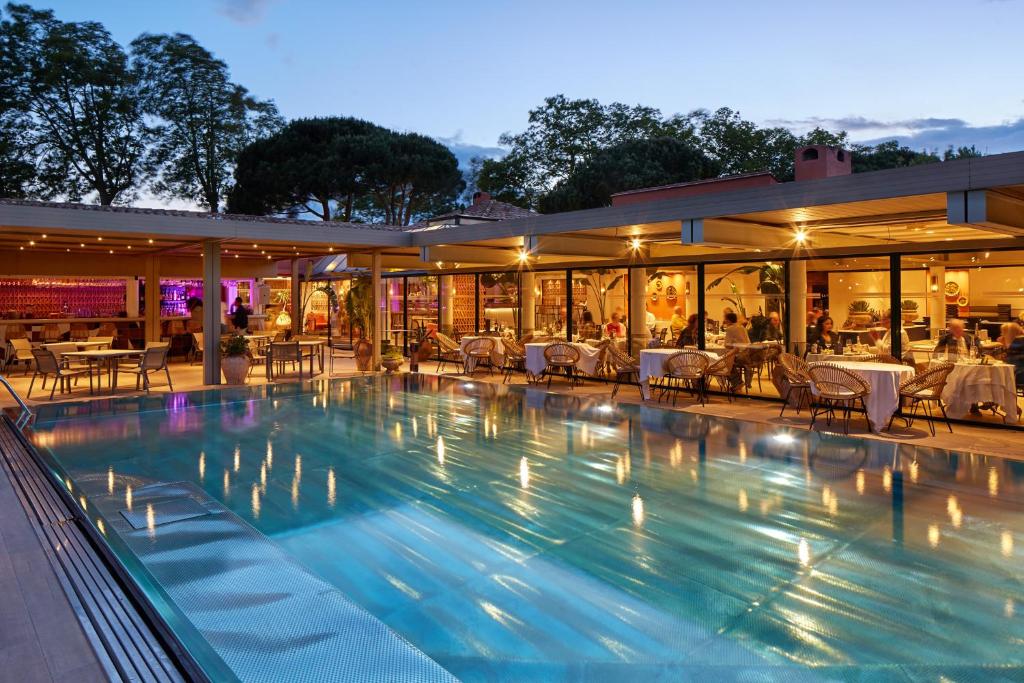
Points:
[(151, 240), (44, 236), (31, 243), (634, 243), (236, 255), (439, 264), (523, 255), (129, 246), (82, 245), (111, 251), (99, 239), (800, 236), (255, 246)]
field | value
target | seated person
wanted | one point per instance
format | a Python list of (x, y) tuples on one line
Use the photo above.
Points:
[(824, 339), (735, 333), (957, 341), (678, 322), (884, 345), (688, 335), (774, 330), (651, 321), (615, 328), (588, 328), (1012, 339)]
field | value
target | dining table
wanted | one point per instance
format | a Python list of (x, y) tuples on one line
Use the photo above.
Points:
[(974, 382), (98, 358), (884, 379), (652, 365), (312, 347), (536, 363), (80, 345)]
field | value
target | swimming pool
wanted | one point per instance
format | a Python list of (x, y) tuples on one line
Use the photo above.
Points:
[(512, 534)]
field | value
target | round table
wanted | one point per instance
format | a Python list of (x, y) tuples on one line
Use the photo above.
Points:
[(590, 356), (652, 365), (884, 380), (971, 383), (497, 352)]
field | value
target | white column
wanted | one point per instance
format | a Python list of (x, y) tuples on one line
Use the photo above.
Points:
[(796, 301), (937, 298), (447, 303), (211, 312), (375, 282), (527, 300), (638, 332), (296, 297)]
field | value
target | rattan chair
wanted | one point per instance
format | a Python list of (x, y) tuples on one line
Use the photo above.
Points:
[(48, 366), (196, 351), (447, 352), (795, 369), (19, 350), (926, 388), (751, 361), (721, 369), (515, 359), (685, 370), (561, 358), (832, 388), (79, 332), (476, 353), (153, 360), (627, 368), (883, 358)]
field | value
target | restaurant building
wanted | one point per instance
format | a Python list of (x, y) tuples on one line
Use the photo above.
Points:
[(925, 243)]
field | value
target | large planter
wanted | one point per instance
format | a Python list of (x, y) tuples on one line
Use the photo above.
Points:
[(364, 355), (909, 316), (861, 320), (235, 369), (392, 364)]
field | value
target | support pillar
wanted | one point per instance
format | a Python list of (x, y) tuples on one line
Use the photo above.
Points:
[(152, 315), (296, 298), (936, 286), (131, 297), (527, 301), (376, 287), (638, 332), (447, 304), (796, 303), (211, 312)]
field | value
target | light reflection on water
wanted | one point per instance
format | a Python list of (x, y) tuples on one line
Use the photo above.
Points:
[(529, 535)]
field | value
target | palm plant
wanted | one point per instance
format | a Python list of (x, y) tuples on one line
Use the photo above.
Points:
[(593, 280), (771, 279)]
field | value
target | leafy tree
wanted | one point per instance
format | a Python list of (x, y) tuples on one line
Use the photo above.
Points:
[(74, 82), (628, 166), (961, 153), (205, 120), (312, 165), (508, 179), (888, 154), (409, 176)]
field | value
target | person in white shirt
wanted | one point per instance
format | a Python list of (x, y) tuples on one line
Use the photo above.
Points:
[(885, 344)]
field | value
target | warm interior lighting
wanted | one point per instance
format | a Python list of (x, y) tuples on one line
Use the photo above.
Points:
[(44, 236), (523, 256), (634, 243), (800, 236), (151, 240), (99, 239), (31, 243)]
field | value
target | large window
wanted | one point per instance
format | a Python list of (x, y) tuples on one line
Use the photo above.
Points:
[(458, 305), (601, 303), (852, 297), (670, 299), (421, 306), (549, 302), (499, 302)]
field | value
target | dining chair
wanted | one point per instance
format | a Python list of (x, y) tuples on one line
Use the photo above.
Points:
[(153, 360), (19, 351), (198, 339), (721, 369), (833, 387), (561, 358), (926, 388), (48, 366), (685, 370), (627, 368), (797, 379), (448, 351), (282, 353), (514, 360), (478, 352)]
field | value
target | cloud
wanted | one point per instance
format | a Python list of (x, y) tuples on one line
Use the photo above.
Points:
[(243, 11), (465, 151), (853, 124), (1003, 137)]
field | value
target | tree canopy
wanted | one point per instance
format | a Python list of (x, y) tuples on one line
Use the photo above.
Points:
[(628, 165), (204, 120)]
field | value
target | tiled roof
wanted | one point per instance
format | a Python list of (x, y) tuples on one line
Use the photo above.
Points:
[(487, 209), (141, 211), (690, 183)]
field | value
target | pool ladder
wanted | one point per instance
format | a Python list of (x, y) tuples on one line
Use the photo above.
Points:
[(26, 414)]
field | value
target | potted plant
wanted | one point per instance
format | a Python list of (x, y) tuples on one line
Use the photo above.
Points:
[(359, 309), (235, 359), (392, 359), (909, 310), (860, 313)]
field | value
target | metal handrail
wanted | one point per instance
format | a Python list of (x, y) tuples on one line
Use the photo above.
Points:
[(26, 413)]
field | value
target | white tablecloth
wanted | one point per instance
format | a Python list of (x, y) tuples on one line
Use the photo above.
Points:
[(969, 384), (497, 353), (652, 364), (535, 361), (847, 357), (884, 380)]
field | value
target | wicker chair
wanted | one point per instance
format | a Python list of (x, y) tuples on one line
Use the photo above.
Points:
[(477, 353), (752, 363), (835, 387), (926, 388), (515, 359), (48, 366), (883, 358), (797, 378), (447, 351), (560, 358), (79, 332), (685, 370), (721, 369), (154, 360), (627, 368)]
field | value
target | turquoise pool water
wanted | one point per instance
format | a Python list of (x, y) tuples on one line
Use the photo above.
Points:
[(514, 535)]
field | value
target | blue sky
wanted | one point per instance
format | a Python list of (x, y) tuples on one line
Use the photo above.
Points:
[(932, 72)]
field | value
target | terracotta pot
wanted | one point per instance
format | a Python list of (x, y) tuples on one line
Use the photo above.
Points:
[(909, 316), (364, 355), (392, 364), (861, 319), (235, 369)]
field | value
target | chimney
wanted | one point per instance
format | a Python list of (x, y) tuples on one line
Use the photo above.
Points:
[(815, 162), (481, 197)]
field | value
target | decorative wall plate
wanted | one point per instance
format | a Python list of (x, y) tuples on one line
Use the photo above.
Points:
[(654, 297), (951, 288), (658, 284), (962, 301), (670, 293)]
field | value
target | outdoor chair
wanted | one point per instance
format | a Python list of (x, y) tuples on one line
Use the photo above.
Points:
[(926, 388), (282, 353), (627, 368), (795, 370), (515, 359), (48, 366), (721, 369), (153, 360), (751, 361), (447, 352), (79, 332), (197, 347), (281, 336), (19, 351), (51, 333), (105, 342), (685, 370), (832, 388), (258, 354), (561, 358), (883, 358), (476, 353)]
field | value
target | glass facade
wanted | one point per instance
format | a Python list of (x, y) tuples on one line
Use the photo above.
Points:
[(600, 303)]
